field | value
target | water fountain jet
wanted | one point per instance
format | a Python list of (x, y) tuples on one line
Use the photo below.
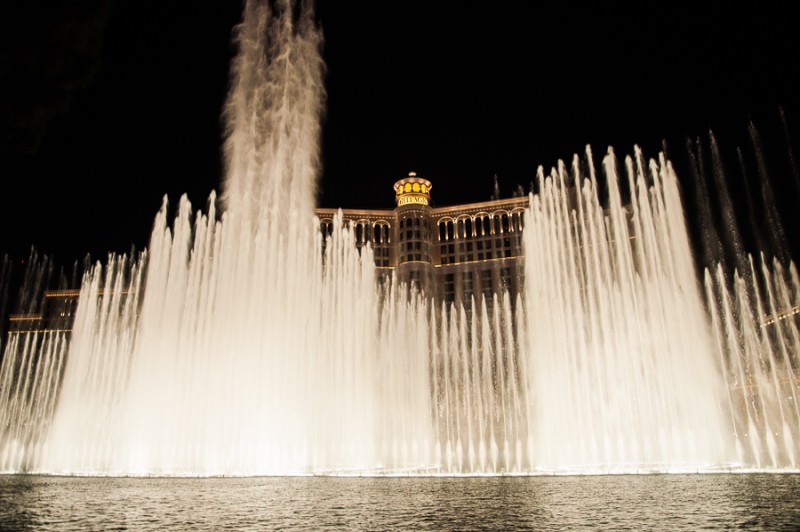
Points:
[(241, 343)]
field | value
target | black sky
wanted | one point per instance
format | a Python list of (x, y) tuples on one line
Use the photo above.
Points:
[(108, 106)]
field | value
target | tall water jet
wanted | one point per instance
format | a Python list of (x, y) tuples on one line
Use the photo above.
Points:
[(756, 330), (233, 346), (752, 304), (613, 385), (31, 366), (5, 282)]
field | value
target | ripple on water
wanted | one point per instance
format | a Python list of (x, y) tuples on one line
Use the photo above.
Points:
[(655, 502)]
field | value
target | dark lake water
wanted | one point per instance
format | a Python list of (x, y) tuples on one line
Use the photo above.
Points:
[(661, 502)]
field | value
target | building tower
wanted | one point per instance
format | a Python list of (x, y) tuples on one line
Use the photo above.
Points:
[(414, 234)]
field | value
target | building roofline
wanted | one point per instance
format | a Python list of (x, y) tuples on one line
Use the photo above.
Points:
[(483, 205), (324, 211), (479, 206)]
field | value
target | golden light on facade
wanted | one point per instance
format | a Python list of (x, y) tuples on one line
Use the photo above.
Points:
[(412, 190)]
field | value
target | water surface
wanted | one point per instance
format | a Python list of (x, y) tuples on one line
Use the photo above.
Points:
[(660, 502)]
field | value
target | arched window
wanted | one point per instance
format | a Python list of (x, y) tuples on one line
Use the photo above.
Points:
[(442, 231), (468, 227), (326, 227)]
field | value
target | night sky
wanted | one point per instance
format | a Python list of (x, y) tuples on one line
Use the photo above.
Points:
[(105, 107)]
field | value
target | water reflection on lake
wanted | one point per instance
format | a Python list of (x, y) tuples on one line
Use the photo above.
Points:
[(668, 502)]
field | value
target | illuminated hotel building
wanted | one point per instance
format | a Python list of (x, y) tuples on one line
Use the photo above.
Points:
[(453, 253)]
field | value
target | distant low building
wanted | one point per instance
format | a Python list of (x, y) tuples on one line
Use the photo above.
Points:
[(57, 314)]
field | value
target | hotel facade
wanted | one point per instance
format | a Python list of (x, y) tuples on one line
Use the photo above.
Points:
[(456, 254)]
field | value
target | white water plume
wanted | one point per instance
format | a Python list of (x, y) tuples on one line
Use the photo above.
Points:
[(241, 343), (622, 374), (233, 347), (758, 341)]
